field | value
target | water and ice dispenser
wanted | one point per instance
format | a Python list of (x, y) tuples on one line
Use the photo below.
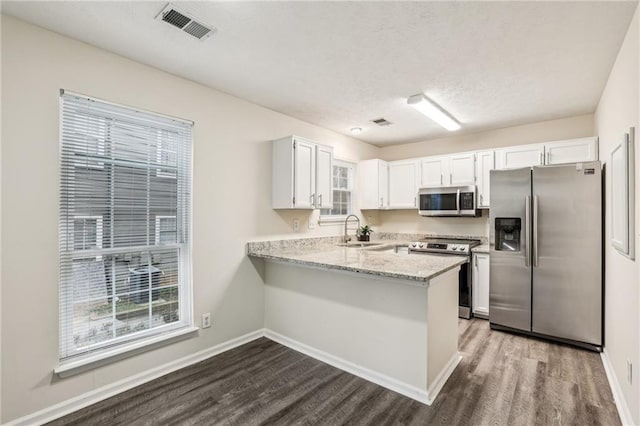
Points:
[(507, 233)]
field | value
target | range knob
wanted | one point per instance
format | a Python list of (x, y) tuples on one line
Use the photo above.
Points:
[(413, 244), (454, 247), (421, 245)]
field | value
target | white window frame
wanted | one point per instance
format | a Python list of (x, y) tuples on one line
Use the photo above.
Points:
[(351, 166), (74, 361)]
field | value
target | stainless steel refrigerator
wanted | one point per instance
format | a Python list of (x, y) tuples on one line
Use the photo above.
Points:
[(546, 252)]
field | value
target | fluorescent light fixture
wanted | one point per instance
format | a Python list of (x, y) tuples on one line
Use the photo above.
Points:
[(356, 130), (433, 111)]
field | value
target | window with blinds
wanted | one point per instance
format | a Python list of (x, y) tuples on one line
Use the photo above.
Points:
[(125, 200), (343, 175)]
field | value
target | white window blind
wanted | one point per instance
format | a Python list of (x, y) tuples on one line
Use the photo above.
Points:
[(125, 212)]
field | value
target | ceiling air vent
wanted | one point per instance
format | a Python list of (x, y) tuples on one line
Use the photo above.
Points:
[(382, 122), (185, 22)]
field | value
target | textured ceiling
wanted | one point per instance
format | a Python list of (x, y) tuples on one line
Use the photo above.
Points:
[(341, 64)]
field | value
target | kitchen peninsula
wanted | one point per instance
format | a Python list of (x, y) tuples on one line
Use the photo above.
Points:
[(387, 316)]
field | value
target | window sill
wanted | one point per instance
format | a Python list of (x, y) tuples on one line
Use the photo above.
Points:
[(80, 365)]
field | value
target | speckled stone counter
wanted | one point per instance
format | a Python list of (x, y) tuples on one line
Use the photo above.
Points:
[(484, 248), (373, 260)]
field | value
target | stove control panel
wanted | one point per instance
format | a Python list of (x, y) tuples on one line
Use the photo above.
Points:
[(439, 247)]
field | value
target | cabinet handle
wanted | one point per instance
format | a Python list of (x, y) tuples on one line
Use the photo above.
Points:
[(548, 158), (381, 202), (481, 200), (415, 201), (312, 198), (441, 178), (320, 199), (450, 179), (541, 158), (476, 259)]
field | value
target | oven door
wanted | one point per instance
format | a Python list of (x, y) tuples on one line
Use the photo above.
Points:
[(464, 284)]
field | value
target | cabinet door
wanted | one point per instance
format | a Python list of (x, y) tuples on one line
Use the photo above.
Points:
[(304, 175), (480, 284), (462, 169), (572, 151), (383, 184), (520, 156), (433, 171), (485, 162), (324, 177), (373, 184), (403, 189)]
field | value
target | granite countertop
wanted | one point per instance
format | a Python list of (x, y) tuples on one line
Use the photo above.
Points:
[(373, 260), (484, 248)]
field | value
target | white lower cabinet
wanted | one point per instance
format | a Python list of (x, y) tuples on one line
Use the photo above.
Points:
[(480, 284)]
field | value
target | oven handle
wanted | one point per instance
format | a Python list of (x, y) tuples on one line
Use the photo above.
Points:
[(458, 201)]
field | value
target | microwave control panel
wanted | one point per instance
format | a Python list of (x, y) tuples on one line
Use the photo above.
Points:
[(466, 201)]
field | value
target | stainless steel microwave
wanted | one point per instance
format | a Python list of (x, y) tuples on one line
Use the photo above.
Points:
[(447, 201)]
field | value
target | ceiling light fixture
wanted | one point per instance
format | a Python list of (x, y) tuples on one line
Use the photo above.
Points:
[(356, 130), (433, 111)]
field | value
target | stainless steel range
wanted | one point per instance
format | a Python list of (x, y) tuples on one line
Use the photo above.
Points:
[(452, 247)]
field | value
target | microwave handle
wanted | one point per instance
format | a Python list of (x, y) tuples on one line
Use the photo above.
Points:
[(458, 201)]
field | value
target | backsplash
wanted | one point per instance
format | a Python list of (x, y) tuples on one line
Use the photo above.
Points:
[(408, 221)]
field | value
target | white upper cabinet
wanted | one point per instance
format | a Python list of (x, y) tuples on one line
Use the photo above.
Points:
[(520, 156), (302, 173), (403, 184), (324, 177), (485, 162), (304, 178), (447, 170), (433, 171), (462, 169), (571, 151), (373, 184), (558, 152)]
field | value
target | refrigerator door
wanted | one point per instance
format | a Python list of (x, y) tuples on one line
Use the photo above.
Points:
[(510, 273), (567, 252)]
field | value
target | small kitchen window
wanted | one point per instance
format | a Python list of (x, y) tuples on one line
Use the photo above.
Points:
[(343, 178)]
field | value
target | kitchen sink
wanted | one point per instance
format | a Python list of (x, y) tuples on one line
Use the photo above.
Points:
[(403, 249), (360, 244)]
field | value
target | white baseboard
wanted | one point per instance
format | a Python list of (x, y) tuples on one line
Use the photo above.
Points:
[(74, 404), (616, 390), (69, 406), (385, 381), (442, 378)]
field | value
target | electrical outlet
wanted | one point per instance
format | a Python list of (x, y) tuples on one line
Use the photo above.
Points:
[(296, 225), (206, 320), (312, 223), (629, 371)]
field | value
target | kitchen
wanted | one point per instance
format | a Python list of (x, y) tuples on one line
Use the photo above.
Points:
[(233, 174)]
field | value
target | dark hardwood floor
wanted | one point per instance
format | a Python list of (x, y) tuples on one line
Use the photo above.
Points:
[(503, 379)]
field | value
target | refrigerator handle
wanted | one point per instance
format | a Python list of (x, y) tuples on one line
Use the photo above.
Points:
[(458, 201), (527, 231), (535, 231)]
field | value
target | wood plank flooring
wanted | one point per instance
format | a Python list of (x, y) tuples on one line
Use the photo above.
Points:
[(503, 379)]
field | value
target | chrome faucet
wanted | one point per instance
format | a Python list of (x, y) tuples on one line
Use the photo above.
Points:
[(346, 238)]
